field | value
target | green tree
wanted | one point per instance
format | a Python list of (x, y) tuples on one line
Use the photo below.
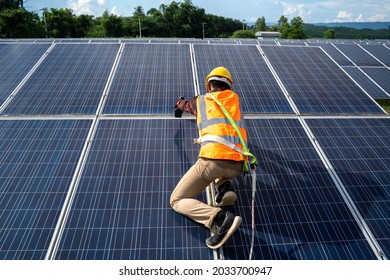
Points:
[(244, 34), (283, 27), (61, 23), (330, 34), (296, 29), (170, 25), (155, 18), (11, 4), (282, 22), (190, 18), (84, 23), (139, 15), (112, 24), (217, 26), (97, 30), (260, 24), (19, 23)]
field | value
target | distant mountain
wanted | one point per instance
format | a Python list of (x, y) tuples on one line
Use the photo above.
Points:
[(357, 25)]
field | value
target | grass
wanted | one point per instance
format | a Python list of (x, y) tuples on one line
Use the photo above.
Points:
[(385, 103)]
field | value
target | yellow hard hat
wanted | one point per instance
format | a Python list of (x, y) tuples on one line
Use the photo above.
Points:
[(220, 74)]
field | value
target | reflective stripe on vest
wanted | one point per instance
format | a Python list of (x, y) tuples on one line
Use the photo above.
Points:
[(206, 122)]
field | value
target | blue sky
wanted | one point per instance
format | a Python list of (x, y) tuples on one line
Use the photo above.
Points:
[(249, 10)]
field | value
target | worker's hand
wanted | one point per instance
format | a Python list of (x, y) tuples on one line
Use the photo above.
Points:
[(178, 111), (180, 99)]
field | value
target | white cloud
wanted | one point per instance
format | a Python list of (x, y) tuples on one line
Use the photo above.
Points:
[(81, 6), (344, 16), (360, 18), (381, 16), (296, 11), (90, 7), (114, 11)]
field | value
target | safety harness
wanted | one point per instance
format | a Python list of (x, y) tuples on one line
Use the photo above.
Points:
[(249, 165), (215, 138)]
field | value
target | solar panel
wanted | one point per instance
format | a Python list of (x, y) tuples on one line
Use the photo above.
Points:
[(335, 54), (70, 80), (292, 43), (380, 52), (150, 78), (358, 55), (38, 160), (223, 41), (16, 61), (121, 170), (254, 82), (121, 209), (366, 82), (299, 213), (359, 151), (316, 84), (381, 76), (266, 42), (249, 42)]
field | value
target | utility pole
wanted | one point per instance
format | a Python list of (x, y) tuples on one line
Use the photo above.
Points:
[(139, 24), (203, 23), (44, 19), (243, 24)]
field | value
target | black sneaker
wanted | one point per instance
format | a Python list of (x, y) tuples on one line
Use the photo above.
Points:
[(223, 232), (226, 195)]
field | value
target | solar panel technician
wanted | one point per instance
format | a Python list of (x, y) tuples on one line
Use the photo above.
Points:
[(220, 157)]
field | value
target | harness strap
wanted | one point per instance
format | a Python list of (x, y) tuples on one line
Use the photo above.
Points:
[(223, 141)]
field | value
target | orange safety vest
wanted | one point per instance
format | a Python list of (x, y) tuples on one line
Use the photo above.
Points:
[(212, 121)]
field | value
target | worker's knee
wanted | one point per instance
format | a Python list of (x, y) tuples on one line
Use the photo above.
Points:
[(173, 202)]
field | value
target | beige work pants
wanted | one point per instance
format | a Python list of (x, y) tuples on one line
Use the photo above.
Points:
[(198, 177)]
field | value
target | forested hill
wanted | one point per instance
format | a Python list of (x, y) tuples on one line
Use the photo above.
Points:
[(314, 31), (180, 20), (357, 25)]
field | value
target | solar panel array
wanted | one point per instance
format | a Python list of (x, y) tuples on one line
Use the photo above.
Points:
[(16, 64), (70, 80), (368, 84), (90, 151), (38, 161), (149, 79), (317, 85)]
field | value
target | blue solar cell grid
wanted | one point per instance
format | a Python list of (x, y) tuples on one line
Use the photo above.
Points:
[(316, 84), (334, 53), (359, 151), (122, 162), (38, 160), (299, 213), (16, 61), (366, 83), (381, 76), (150, 78), (358, 55), (253, 81), (380, 52), (70, 80), (121, 209)]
